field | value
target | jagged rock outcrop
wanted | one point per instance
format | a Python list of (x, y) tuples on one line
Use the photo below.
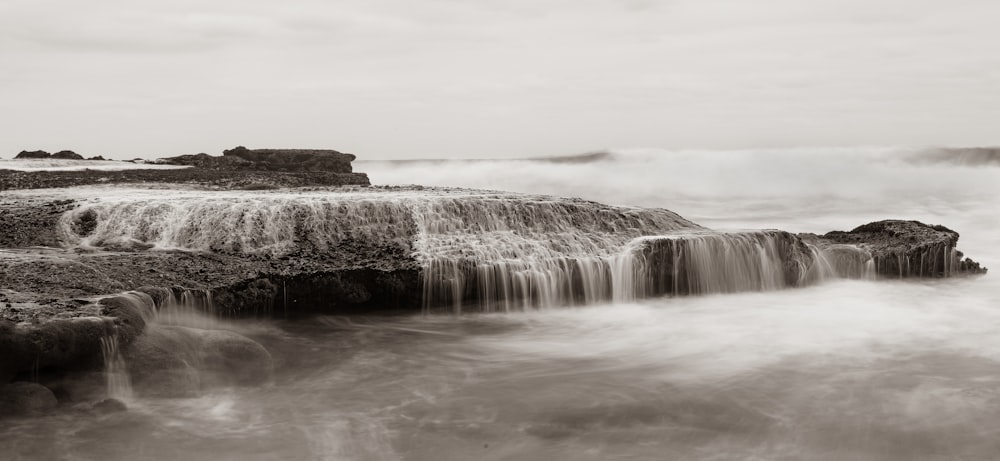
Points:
[(908, 248)]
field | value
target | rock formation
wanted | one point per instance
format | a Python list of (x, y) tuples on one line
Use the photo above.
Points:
[(41, 154), (34, 154), (88, 271), (67, 155), (241, 158), (907, 248), (238, 168)]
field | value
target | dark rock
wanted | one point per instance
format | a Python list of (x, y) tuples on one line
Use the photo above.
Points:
[(60, 343), (173, 361), (84, 223), (79, 387), (24, 398), (159, 363), (98, 157), (107, 406), (233, 358), (287, 160), (908, 248), (67, 155), (36, 154), (129, 311), (294, 159), (228, 177)]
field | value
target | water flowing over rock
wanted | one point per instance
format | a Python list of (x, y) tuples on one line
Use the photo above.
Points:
[(901, 249), (194, 255), (119, 384)]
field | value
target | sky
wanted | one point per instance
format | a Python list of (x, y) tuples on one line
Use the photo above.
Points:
[(494, 78)]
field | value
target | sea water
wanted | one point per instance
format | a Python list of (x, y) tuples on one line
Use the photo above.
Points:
[(849, 369)]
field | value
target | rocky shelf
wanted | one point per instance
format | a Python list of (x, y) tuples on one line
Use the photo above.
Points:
[(80, 265)]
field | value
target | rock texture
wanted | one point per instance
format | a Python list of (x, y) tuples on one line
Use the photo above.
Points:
[(297, 160), (60, 270), (908, 248), (220, 179)]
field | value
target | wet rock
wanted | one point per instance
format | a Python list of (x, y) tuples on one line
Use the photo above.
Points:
[(231, 357), (226, 178), (908, 248), (60, 343), (173, 361), (24, 398), (108, 406), (159, 363), (79, 387), (84, 223), (129, 311)]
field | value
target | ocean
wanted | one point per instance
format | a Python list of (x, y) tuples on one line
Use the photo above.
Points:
[(846, 369)]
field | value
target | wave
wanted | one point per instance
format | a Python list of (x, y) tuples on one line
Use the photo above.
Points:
[(961, 156)]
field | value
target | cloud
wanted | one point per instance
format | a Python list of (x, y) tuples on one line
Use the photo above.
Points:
[(513, 77)]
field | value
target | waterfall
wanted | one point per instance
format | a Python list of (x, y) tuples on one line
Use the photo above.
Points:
[(722, 263), (477, 250), (845, 261), (187, 307), (683, 263), (118, 382)]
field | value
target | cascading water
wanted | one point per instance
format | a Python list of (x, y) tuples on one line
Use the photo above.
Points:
[(187, 307), (484, 251), (118, 382), (844, 261)]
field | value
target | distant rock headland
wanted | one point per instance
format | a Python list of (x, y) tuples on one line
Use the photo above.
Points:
[(241, 158), (62, 155)]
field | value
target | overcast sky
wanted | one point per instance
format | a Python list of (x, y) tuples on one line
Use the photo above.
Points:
[(497, 78)]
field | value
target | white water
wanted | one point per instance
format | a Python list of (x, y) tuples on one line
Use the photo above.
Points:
[(115, 371), (850, 369), (79, 165), (485, 251)]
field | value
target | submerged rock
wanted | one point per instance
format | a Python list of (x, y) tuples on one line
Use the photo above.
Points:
[(109, 406), (158, 363), (24, 398), (174, 361), (234, 358)]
